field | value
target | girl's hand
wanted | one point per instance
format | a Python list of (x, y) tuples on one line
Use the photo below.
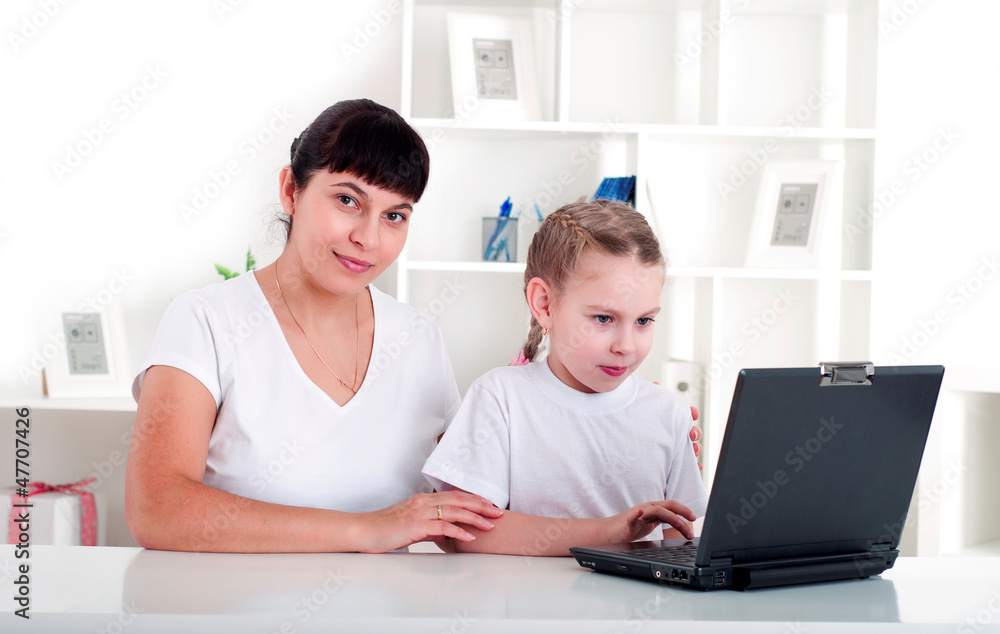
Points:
[(419, 519), (642, 519)]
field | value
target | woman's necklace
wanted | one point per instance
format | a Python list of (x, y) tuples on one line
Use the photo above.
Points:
[(357, 331)]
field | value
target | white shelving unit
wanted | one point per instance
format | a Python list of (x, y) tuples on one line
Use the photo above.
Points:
[(35, 402), (959, 474), (680, 93)]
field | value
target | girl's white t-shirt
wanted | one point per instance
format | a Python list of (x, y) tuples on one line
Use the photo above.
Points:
[(526, 441), (278, 437)]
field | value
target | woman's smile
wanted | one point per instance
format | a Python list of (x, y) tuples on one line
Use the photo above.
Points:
[(353, 265)]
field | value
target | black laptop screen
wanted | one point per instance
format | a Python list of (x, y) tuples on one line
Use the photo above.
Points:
[(817, 470)]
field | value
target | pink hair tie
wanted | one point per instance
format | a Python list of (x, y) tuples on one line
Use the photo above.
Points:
[(519, 359)]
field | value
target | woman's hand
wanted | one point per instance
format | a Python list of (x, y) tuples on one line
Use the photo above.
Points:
[(425, 517), (695, 435), (642, 519)]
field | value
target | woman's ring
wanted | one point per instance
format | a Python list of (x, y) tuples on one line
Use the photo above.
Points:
[(440, 513)]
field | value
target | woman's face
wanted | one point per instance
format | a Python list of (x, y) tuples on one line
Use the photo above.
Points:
[(345, 232)]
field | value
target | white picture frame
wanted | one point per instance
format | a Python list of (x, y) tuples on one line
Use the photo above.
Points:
[(92, 360), (492, 67), (797, 215)]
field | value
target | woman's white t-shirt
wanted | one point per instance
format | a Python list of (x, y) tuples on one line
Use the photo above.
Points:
[(278, 437), (526, 441)]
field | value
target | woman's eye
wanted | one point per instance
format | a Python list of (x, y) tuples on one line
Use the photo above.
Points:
[(603, 319), (344, 199), (642, 321), (395, 217)]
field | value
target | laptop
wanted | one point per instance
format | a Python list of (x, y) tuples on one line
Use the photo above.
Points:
[(815, 476)]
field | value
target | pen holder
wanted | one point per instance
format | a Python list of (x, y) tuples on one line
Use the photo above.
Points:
[(499, 239)]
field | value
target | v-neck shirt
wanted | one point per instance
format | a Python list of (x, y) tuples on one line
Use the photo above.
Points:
[(278, 437)]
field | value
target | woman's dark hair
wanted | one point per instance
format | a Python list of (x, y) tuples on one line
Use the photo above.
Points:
[(365, 139)]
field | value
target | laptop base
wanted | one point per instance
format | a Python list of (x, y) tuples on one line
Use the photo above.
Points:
[(761, 574)]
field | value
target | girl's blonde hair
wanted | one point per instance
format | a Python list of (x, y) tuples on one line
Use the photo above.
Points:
[(574, 230)]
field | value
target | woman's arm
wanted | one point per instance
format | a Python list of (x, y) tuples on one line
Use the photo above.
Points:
[(168, 508), (521, 534)]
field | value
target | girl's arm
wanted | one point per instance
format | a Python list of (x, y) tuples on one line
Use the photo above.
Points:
[(168, 508), (521, 534)]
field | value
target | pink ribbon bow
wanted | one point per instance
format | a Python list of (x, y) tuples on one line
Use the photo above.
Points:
[(88, 510), (519, 358)]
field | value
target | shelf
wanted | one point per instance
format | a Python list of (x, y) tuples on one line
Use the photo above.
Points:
[(684, 271), (784, 80), (757, 7), (798, 7), (986, 549), (123, 404), (768, 274), (484, 5), (469, 267), (788, 7), (751, 132)]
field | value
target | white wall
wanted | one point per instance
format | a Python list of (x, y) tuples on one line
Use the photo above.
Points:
[(204, 79), (936, 300)]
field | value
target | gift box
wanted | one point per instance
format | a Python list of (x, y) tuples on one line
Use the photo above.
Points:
[(56, 517)]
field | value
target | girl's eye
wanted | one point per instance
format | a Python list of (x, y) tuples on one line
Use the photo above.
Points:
[(346, 200), (395, 217), (642, 321), (603, 319)]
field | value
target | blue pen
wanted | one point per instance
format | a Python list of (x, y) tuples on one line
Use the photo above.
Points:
[(491, 246)]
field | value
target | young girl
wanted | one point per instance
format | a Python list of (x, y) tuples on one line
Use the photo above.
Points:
[(579, 450)]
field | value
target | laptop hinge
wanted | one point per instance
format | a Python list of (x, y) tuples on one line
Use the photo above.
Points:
[(721, 561), (847, 373), (881, 547)]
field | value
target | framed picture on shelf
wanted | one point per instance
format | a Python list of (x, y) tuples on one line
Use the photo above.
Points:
[(797, 215), (92, 360), (492, 67)]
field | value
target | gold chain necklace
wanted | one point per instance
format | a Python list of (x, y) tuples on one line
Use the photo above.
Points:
[(357, 331)]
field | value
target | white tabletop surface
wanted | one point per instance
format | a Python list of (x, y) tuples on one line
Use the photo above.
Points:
[(131, 590)]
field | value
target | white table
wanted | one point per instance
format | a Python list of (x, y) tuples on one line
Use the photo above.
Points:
[(116, 590)]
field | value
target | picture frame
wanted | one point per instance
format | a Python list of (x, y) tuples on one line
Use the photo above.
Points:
[(797, 215), (92, 360), (492, 61)]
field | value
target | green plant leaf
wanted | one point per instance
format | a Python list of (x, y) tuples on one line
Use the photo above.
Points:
[(251, 263), (224, 272)]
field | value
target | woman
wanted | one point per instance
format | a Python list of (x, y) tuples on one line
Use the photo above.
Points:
[(291, 409)]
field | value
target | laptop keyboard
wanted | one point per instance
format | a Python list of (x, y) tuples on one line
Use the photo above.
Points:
[(683, 555)]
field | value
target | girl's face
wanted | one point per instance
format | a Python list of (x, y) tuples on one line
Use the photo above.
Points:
[(345, 232), (601, 325)]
